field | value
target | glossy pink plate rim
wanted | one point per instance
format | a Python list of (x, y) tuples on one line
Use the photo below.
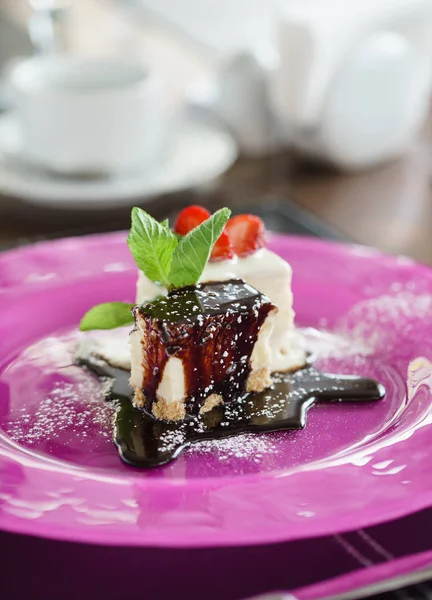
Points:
[(352, 466)]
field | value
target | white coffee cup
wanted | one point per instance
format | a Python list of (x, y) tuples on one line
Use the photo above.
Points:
[(101, 116)]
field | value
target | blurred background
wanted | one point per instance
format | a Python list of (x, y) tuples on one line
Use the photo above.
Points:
[(315, 117)]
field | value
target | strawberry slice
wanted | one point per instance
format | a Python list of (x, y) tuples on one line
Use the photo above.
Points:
[(194, 215), (247, 234), (223, 249), (189, 218)]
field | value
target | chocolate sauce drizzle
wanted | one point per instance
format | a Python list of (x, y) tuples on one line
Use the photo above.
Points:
[(143, 441), (212, 328)]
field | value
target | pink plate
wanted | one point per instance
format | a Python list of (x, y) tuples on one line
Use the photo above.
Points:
[(352, 466)]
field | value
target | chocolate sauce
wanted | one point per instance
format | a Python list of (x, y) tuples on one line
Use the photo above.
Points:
[(144, 442), (212, 328)]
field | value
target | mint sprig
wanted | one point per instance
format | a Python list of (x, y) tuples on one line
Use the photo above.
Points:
[(164, 257), (152, 245), (168, 259), (194, 249), (107, 316)]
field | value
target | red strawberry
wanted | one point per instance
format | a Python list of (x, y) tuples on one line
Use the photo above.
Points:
[(247, 234), (189, 218), (194, 215), (223, 248)]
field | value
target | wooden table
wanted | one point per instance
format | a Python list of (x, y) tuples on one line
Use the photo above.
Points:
[(389, 207)]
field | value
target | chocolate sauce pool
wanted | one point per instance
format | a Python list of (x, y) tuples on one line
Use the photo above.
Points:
[(144, 442)]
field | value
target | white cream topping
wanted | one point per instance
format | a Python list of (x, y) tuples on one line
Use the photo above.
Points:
[(262, 263)]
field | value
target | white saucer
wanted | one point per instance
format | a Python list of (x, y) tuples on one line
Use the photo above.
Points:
[(198, 153)]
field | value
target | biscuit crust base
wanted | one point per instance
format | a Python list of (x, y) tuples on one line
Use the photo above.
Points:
[(257, 381)]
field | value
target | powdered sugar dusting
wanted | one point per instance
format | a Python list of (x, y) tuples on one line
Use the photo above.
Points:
[(388, 322), (71, 409), (326, 344), (248, 446)]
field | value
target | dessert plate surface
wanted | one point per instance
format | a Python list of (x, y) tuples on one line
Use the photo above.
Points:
[(353, 465)]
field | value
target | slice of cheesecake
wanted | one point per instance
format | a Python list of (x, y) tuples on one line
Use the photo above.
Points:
[(200, 346)]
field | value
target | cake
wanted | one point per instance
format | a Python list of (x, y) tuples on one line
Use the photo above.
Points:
[(200, 346)]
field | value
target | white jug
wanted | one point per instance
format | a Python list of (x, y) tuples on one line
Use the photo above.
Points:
[(347, 81)]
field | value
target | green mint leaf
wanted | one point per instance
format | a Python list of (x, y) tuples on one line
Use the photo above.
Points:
[(152, 245), (107, 316), (165, 223), (193, 250)]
